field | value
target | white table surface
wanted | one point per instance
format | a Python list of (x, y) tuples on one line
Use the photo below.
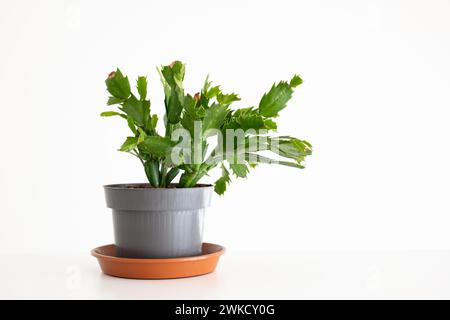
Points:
[(253, 275)]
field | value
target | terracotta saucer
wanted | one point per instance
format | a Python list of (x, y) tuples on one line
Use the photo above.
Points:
[(158, 268)]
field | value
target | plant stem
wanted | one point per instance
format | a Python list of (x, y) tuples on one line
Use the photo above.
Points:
[(186, 179), (171, 174), (189, 180), (152, 171), (163, 174)]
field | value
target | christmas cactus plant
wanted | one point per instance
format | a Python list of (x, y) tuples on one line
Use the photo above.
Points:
[(202, 131)]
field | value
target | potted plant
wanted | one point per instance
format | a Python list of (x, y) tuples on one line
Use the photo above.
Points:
[(163, 219)]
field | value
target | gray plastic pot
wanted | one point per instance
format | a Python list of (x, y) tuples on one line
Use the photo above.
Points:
[(157, 222)]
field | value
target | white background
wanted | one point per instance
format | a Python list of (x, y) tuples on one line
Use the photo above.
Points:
[(375, 104)]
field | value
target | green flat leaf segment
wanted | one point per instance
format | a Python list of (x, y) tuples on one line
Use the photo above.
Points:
[(141, 85), (295, 81), (118, 85), (110, 114), (157, 146), (212, 92), (290, 147), (174, 106), (257, 158), (240, 170), (220, 186), (214, 117), (227, 98), (276, 99), (114, 100), (137, 109), (249, 118), (172, 78), (129, 144)]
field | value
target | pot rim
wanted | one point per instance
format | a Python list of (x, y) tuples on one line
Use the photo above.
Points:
[(125, 197), (128, 186)]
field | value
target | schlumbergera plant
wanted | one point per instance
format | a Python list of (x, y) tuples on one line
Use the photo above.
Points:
[(194, 124)]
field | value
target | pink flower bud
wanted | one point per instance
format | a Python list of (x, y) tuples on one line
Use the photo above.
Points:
[(111, 75)]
